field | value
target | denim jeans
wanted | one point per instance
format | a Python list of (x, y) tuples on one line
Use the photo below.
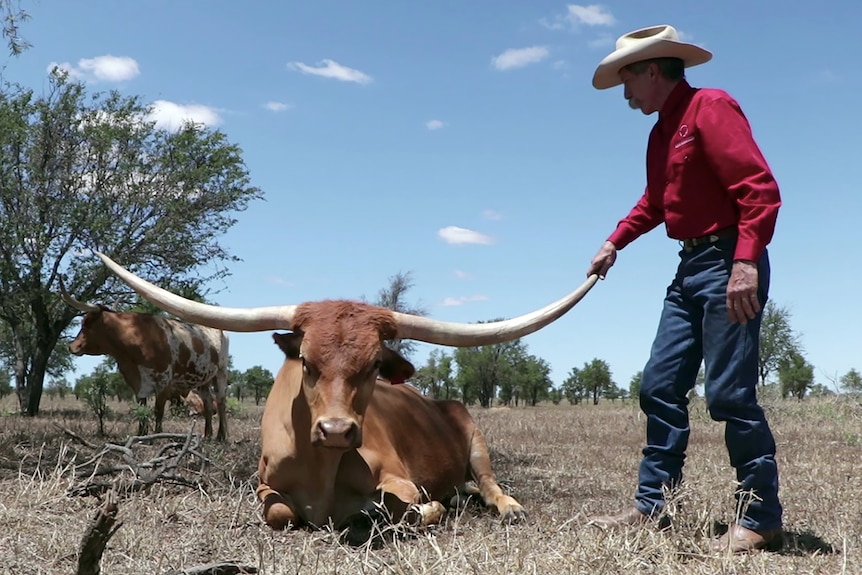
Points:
[(695, 327)]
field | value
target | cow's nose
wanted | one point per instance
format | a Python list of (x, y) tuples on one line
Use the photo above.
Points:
[(342, 433)]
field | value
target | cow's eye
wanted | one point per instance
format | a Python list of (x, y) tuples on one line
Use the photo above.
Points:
[(308, 368)]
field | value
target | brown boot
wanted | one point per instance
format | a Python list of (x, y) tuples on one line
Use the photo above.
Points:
[(631, 517), (738, 539)]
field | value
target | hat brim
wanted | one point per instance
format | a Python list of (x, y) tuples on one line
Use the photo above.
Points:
[(607, 74)]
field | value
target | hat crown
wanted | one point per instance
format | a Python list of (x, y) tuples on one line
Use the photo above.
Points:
[(647, 35)]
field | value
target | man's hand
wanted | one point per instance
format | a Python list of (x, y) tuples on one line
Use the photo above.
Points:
[(742, 302), (603, 260)]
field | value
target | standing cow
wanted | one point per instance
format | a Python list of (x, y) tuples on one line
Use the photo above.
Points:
[(337, 443), (158, 355)]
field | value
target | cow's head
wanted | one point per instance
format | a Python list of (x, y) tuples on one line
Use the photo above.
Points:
[(340, 343), (93, 338), (340, 347)]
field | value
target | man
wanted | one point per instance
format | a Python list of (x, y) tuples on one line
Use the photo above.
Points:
[(708, 182)]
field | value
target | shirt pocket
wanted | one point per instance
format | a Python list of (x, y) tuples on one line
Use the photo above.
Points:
[(680, 159)]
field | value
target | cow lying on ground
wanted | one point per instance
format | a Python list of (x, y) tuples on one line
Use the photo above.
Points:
[(196, 402), (157, 355), (338, 444)]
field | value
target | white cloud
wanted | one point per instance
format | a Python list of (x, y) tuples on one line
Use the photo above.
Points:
[(461, 274), (577, 16), (434, 124), (170, 115), (281, 281), (106, 68), (492, 215), (332, 69), (592, 15), (519, 57), (277, 106), (456, 301), (456, 235), (686, 37)]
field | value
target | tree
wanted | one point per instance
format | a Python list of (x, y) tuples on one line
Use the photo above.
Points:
[(13, 17), (596, 378), (80, 172), (851, 381), (573, 387), (482, 369), (94, 389), (635, 385), (237, 386), (795, 375), (777, 339), (532, 380), (5, 383), (394, 297), (259, 381), (435, 378)]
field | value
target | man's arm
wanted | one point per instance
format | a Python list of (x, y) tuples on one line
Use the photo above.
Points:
[(641, 219), (742, 170)]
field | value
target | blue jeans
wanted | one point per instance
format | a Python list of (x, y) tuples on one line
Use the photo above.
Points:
[(694, 327)]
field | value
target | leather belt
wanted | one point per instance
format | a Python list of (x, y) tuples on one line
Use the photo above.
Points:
[(723, 234)]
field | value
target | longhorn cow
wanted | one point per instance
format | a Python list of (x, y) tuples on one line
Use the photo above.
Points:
[(158, 355), (340, 440)]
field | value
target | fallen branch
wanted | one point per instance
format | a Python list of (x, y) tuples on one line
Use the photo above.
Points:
[(97, 536), (123, 469), (225, 568)]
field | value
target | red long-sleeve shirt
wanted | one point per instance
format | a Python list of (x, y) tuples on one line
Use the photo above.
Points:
[(704, 173)]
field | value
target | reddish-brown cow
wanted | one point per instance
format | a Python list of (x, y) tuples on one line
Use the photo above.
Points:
[(339, 444), (157, 355), (197, 400)]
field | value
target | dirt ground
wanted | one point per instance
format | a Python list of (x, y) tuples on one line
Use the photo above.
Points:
[(562, 463)]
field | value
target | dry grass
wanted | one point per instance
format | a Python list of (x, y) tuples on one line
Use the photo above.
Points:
[(563, 463)]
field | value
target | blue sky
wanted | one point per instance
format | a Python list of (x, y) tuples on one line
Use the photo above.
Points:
[(463, 142)]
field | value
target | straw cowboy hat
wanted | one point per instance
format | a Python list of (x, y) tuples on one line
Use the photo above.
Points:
[(644, 44)]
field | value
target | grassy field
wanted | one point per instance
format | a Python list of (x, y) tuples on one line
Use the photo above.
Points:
[(562, 463)]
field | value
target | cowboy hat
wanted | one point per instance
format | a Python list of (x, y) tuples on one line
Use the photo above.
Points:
[(644, 44)]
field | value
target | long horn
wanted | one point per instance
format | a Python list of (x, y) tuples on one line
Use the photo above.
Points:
[(477, 334), (79, 305), (226, 318)]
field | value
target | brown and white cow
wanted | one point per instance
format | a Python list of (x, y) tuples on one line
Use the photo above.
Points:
[(157, 355), (336, 441)]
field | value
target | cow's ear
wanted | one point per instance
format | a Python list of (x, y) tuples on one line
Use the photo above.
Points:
[(288, 343), (394, 367)]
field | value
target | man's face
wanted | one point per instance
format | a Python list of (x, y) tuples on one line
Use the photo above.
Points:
[(640, 88)]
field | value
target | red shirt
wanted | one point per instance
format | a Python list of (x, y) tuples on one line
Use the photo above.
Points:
[(704, 173)]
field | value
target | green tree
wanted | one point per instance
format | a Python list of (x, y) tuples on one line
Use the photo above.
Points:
[(83, 171), (95, 389), (573, 387), (394, 297), (795, 375), (258, 381), (13, 17), (635, 386), (5, 383), (435, 378), (777, 339), (237, 385), (596, 378), (533, 379), (482, 369), (851, 381)]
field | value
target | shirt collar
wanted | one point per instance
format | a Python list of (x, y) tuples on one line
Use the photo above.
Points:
[(680, 94)]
